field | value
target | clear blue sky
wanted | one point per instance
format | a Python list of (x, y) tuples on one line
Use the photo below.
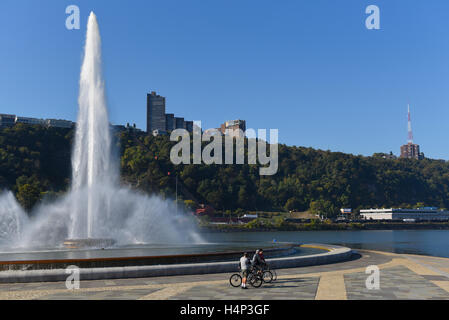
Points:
[(309, 68)]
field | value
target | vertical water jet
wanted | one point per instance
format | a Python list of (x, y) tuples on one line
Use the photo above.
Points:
[(92, 161)]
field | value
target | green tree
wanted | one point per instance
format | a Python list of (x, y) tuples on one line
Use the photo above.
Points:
[(323, 208), (28, 195), (292, 204)]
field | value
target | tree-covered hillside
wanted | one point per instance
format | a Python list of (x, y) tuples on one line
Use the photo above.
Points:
[(35, 161)]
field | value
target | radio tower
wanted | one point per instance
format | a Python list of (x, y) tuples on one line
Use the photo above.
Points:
[(411, 150), (410, 133)]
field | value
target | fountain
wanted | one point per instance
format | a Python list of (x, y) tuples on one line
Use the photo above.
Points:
[(92, 163), (97, 211)]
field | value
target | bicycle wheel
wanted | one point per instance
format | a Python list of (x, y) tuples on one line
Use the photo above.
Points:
[(267, 276), (235, 280), (255, 280), (275, 275)]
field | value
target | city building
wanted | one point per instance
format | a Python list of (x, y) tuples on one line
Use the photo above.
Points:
[(425, 214), (58, 123), (31, 121), (170, 122), (117, 127), (160, 122), (179, 123), (231, 127), (189, 126), (344, 214), (155, 112), (411, 150), (7, 120)]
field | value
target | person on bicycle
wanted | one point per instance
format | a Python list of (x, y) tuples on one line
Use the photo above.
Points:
[(244, 267), (261, 256), (258, 260)]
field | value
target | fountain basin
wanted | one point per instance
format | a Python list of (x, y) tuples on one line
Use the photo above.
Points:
[(143, 255), (282, 257)]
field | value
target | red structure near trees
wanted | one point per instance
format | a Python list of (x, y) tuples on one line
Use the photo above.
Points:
[(205, 210)]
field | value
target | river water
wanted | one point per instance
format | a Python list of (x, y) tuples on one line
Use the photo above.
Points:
[(424, 242)]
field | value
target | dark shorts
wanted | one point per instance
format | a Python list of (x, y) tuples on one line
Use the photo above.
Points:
[(245, 273)]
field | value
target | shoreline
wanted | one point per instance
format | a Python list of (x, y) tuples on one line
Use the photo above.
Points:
[(328, 227)]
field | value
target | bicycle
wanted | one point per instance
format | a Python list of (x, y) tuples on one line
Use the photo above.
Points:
[(273, 272), (235, 280), (254, 279), (267, 275)]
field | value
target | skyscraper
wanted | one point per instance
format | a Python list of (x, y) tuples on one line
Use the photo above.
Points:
[(159, 122), (179, 123), (189, 126), (169, 122), (155, 112)]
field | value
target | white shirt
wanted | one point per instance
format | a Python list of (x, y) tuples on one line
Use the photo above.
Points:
[(244, 261)]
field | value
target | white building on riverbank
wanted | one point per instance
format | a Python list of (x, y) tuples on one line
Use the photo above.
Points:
[(423, 214)]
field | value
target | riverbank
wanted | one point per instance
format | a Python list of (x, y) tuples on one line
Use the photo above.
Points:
[(326, 226)]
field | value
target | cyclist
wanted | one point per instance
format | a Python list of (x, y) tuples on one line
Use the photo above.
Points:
[(262, 258), (258, 260), (244, 267)]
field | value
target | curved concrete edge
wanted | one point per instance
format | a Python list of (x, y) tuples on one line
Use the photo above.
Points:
[(334, 254), (285, 249)]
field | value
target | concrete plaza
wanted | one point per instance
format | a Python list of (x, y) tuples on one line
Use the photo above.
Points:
[(401, 277)]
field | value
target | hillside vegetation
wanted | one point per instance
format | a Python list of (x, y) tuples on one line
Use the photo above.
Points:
[(35, 163)]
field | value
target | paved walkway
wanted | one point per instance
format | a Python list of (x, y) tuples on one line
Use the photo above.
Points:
[(401, 277)]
